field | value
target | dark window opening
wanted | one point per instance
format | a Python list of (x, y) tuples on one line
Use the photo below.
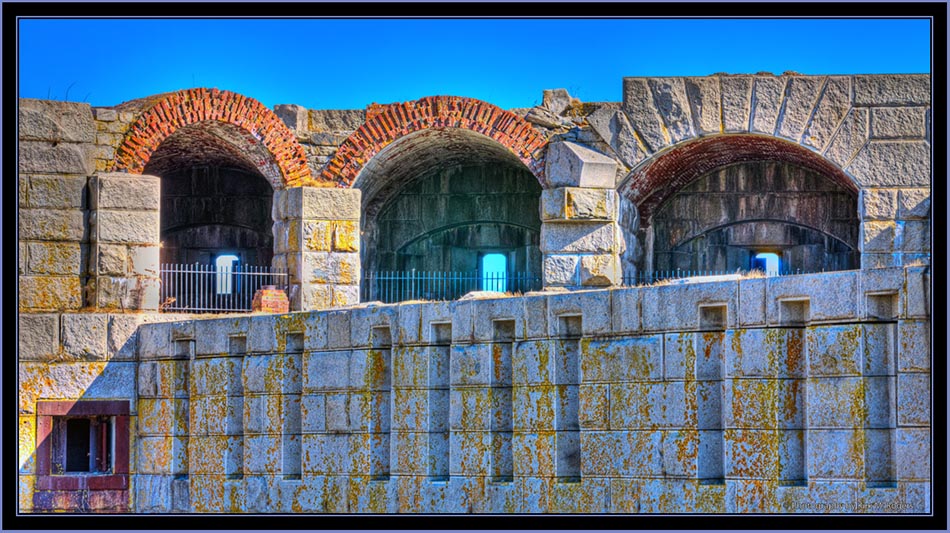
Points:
[(82, 445)]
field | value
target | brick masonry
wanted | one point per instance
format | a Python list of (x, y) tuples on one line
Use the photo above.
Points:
[(195, 105), (385, 124)]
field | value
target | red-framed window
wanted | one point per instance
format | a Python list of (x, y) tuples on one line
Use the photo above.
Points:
[(82, 445)]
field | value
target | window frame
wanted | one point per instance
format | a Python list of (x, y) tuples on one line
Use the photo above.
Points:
[(51, 415)]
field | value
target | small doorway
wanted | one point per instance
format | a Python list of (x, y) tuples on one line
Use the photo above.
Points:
[(494, 272)]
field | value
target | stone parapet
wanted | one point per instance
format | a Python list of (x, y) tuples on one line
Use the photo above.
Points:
[(711, 399)]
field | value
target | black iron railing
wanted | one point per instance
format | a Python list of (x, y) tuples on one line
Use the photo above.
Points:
[(211, 289), (648, 278), (400, 286)]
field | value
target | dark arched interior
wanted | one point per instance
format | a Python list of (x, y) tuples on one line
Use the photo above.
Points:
[(214, 199), (721, 220), (438, 200)]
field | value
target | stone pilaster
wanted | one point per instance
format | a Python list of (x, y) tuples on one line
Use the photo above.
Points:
[(124, 241), (317, 239), (580, 237)]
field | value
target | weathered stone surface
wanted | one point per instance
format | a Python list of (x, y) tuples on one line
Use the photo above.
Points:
[(130, 227), (296, 117), (913, 203), (153, 493), (126, 191), (57, 192), (614, 128), (49, 292), (560, 270), (640, 108), (579, 237), (126, 294), (834, 350), (55, 258), (143, 260), (752, 308), (768, 94), (46, 157), (112, 259), (801, 94), (705, 104), (85, 335), (38, 336), (878, 236), (471, 364), (892, 89), (592, 306), (336, 120), (212, 336), (736, 102), (833, 106), (493, 316), (123, 336), (755, 353), (574, 203), (364, 323), (105, 114), (50, 120), (851, 137), (817, 289), (573, 165), (918, 297), (892, 164), (546, 118), (316, 203), (661, 310), (556, 100), (669, 96), (913, 400), (52, 225), (912, 454), (913, 345), (600, 270), (311, 297), (633, 359), (625, 310), (898, 122), (877, 204), (836, 402), (914, 236), (70, 381)]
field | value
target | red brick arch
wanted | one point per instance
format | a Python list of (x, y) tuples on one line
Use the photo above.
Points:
[(385, 124), (191, 106), (662, 176)]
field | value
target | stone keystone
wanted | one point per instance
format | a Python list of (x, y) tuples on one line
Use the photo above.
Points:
[(572, 165)]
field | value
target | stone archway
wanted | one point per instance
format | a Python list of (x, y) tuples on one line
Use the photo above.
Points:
[(712, 204), (269, 144), (386, 124)]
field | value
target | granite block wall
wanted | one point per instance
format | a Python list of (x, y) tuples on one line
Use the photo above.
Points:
[(758, 395)]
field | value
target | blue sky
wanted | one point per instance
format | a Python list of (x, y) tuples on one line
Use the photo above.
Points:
[(346, 64)]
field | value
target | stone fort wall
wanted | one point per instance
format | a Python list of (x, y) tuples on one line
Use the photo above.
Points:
[(478, 411)]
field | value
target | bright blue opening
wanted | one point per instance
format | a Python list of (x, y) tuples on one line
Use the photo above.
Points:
[(768, 262), (223, 264), (494, 272)]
